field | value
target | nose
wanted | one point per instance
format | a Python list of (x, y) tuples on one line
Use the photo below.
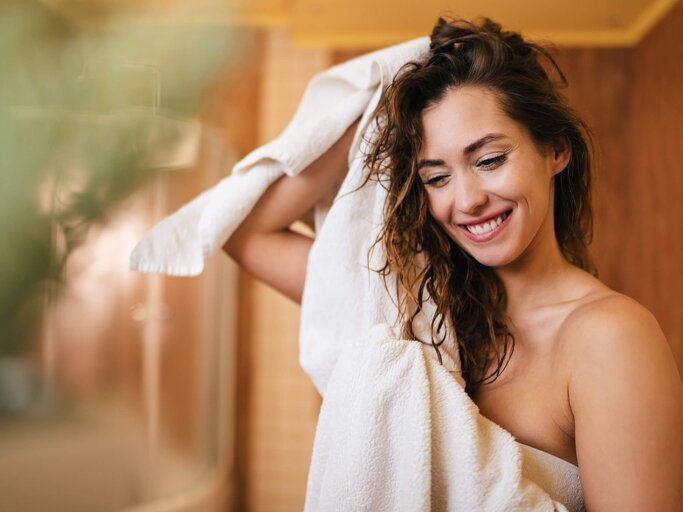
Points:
[(469, 195)]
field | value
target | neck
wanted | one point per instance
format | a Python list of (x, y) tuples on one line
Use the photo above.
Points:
[(534, 279)]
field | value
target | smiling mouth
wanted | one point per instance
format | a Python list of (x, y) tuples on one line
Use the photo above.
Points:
[(487, 226)]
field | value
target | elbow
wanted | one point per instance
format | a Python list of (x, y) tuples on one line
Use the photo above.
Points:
[(234, 247)]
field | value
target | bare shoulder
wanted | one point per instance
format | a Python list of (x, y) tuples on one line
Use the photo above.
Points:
[(609, 323), (626, 398)]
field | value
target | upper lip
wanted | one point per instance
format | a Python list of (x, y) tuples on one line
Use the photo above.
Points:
[(483, 219)]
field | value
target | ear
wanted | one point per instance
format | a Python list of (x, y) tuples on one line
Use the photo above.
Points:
[(559, 155)]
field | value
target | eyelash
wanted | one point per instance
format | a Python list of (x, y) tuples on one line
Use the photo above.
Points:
[(492, 163), (487, 165), (434, 181)]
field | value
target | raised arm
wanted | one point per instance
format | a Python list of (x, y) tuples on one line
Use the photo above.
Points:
[(264, 245)]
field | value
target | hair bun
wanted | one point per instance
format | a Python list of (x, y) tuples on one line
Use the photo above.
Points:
[(452, 34), (466, 41)]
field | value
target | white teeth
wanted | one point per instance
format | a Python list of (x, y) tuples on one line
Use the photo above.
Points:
[(485, 227)]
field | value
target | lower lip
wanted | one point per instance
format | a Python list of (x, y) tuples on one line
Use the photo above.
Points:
[(485, 237)]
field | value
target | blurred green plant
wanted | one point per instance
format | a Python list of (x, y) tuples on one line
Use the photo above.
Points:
[(83, 113)]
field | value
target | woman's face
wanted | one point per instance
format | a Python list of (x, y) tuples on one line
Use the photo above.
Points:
[(488, 185)]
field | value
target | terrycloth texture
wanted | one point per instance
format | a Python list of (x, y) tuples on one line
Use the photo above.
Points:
[(180, 243), (333, 100), (396, 432), (559, 478)]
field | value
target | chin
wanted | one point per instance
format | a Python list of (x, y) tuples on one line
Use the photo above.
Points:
[(490, 258), (493, 261)]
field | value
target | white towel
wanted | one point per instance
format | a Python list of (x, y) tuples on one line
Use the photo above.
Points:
[(396, 432), (333, 100)]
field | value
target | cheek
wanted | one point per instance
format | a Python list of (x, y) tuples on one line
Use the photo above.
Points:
[(439, 206), (511, 184), (525, 186)]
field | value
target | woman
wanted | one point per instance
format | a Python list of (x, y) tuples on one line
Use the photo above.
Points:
[(489, 178)]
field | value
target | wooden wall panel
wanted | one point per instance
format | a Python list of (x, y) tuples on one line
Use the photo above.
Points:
[(654, 236), (632, 100), (600, 90)]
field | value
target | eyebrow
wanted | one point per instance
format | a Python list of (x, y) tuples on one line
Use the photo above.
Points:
[(471, 148)]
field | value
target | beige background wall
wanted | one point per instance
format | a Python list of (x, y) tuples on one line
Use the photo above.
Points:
[(278, 405)]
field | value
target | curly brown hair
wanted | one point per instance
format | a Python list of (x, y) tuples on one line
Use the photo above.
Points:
[(427, 264)]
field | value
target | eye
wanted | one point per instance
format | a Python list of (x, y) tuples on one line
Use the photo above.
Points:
[(491, 163), (435, 181)]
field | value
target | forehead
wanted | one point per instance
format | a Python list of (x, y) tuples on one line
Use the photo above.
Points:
[(463, 115)]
